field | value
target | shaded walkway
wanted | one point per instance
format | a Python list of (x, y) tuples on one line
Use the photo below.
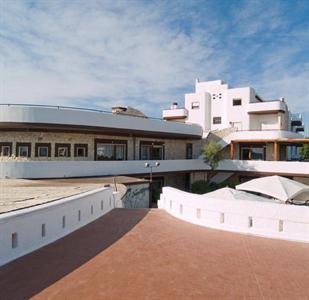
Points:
[(159, 258)]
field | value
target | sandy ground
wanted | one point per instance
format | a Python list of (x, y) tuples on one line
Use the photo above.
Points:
[(148, 254), (21, 193)]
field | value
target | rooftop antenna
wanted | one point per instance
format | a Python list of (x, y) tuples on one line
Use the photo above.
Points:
[(197, 80)]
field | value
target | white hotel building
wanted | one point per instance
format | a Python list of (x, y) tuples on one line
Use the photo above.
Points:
[(258, 137)]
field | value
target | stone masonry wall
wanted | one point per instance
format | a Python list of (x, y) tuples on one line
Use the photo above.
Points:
[(174, 149)]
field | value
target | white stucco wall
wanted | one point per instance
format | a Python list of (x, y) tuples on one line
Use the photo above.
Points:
[(267, 219), (61, 169), (27, 223), (202, 115), (220, 104), (267, 167)]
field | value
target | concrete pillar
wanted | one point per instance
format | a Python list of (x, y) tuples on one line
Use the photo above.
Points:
[(232, 150), (276, 151)]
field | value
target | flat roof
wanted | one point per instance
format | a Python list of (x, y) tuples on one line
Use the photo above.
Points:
[(21, 193), (148, 254)]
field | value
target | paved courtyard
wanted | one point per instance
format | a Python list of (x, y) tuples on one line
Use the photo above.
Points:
[(148, 254)]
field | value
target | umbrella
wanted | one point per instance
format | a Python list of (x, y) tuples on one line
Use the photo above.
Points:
[(232, 194), (278, 187)]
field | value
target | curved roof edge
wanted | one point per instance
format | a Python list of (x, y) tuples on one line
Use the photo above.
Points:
[(62, 118)]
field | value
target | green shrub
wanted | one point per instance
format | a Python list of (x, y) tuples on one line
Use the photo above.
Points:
[(304, 151), (212, 154)]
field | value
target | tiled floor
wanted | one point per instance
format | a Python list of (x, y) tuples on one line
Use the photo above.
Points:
[(148, 254)]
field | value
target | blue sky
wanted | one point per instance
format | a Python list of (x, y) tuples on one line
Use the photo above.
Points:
[(146, 54)]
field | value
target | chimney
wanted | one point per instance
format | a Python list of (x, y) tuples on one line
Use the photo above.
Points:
[(174, 105)]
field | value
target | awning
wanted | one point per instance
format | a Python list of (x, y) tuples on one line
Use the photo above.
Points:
[(278, 187)]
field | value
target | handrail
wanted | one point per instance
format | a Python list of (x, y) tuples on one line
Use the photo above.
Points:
[(55, 106)]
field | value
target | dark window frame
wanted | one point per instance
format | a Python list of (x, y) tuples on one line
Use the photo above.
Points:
[(85, 146), (37, 145), (250, 146), (237, 102), (111, 142), (216, 122), (62, 145), (195, 105), (189, 150), (19, 144), (151, 143), (6, 144)]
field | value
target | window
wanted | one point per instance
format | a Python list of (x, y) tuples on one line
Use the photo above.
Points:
[(62, 150), (5, 149), (80, 150), (42, 149), (23, 149), (189, 151), (110, 150), (236, 102), (216, 120), (195, 105), (151, 150), (14, 240), (252, 152)]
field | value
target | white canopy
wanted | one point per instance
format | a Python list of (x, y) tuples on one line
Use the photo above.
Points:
[(232, 194), (278, 187)]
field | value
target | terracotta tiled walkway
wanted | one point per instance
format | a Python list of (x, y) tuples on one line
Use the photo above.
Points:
[(141, 254)]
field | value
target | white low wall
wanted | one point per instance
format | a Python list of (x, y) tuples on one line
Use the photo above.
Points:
[(258, 135), (262, 166), (61, 169), (267, 219), (26, 230)]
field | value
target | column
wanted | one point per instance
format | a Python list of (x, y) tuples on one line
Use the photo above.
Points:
[(276, 151), (232, 150)]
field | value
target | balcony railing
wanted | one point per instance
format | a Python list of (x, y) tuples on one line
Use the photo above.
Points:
[(264, 107), (290, 168)]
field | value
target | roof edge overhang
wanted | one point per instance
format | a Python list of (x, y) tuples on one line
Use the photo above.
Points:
[(67, 128)]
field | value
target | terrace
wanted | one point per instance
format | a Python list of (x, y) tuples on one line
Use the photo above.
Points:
[(125, 254)]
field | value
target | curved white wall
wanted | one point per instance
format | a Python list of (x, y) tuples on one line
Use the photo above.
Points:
[(61, 169), (62, 116), (27, 224), (273, 220)]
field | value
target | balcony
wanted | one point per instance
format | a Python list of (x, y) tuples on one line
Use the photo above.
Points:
[(175, 114), (257, 135), (300, 129), (266, 107), (296, 120), (290, 168)]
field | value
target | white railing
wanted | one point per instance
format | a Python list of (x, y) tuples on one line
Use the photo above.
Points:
[(268, 167), (61, 169), (175, 113), (267, 219), (266, 106), (26, 230)]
